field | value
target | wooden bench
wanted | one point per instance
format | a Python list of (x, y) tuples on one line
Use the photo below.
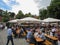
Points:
[(27, 40), (51, 37), (47, 42), (31, 44), (24, 34), (38, 39)]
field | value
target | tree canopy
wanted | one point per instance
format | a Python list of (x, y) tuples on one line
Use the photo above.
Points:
[(53, 10), (6, 16), (43, 13), (20, 15)]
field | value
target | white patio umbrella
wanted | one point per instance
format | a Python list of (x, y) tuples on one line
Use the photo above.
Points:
[(29, 20), (51, 20), (13, 21)]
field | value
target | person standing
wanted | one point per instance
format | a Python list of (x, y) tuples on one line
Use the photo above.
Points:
[(53, 30), (9, 36)]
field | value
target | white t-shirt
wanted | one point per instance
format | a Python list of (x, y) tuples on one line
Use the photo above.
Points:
[(54, 29), (36, 34)]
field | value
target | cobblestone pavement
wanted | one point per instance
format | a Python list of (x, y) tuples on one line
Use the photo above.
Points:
[(3, 39)]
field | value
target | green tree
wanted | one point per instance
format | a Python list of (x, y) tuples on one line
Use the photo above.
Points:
[(42, 13), (20, 15), (6, 16), (5, 19), (11, 14), (1, 12), (54, 9), (28, 15)]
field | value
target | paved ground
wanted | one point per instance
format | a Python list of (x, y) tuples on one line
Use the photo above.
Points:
[(58, 42), (3, 39)]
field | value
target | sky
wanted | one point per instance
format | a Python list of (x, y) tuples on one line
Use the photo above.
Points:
[(26, 6)]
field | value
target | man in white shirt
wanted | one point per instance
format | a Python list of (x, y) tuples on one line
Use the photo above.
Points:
[(53, 31), (41, 35)]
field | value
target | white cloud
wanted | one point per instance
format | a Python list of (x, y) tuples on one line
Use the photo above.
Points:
[(25, 5), (6, 1), (43, 3)]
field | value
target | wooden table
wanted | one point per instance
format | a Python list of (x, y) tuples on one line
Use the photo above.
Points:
[(51, 37), (38, 39)]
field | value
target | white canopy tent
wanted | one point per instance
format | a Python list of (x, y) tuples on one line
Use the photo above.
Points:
[(29, 20), (13, 21), (51, 20)]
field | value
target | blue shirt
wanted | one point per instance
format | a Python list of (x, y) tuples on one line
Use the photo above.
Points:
[(9, 32), (29, 34), (42, 36)]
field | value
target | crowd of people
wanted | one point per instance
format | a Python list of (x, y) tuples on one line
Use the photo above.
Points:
[(32, 32), (40, 31)]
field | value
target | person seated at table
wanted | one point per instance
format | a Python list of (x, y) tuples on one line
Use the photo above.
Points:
[(18, 31), (30, 36), (33, 29), (14, 31), (36, 33), (58, 35), (29, 33), (37, 29), (21, 32), (42, 36)]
